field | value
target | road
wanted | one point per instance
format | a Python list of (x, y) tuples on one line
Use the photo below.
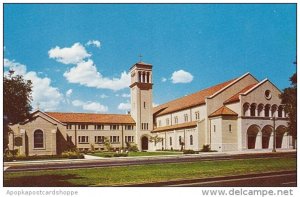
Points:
[(136, 161), (270, 179)]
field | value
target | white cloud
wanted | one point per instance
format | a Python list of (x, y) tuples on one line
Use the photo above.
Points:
[(125, 95), (163, 79), (71, 55), (43, 94), (95, 43), (181, 76), (103, 96), (124, 106), (85, 73), (69, 92), (90, 106), (154, 104)]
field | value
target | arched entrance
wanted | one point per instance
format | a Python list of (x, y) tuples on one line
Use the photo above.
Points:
[(251, 136), (280, 133), (144, 143), (266, 136)]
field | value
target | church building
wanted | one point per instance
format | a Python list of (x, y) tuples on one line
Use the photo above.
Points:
[(236, 115)]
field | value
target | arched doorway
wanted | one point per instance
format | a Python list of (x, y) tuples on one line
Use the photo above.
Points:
[(266, 136), (144, 143), (280, 132), (251, 136)]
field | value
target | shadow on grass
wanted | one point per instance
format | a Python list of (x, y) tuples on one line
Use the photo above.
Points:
[(42, 181)]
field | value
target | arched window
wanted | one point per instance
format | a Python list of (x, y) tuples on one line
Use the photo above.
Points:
[(38, 139), (229, 128), (267, 110), (252, 109), (280, 108), (246, 107), (191, 140)]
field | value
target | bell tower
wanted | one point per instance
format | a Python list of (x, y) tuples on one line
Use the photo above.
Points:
[(141, 102)]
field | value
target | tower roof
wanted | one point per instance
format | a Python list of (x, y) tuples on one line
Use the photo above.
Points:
[(141, 65)]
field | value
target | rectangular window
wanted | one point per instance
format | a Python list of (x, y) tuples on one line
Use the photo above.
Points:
[(167, 121), (114, 139), (176, 120), (114, 127), (83, 126), (99, 139), (99, 127), (186, 118), (69, 126), (129, 138), (83, 139), (229, 128), (197, 114), (128, 127), (144, 105), (170, 141), (214, 128)]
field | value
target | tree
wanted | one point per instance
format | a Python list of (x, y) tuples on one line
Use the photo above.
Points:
[(16, 102), (289, 99), (107, 144), (155, 139)]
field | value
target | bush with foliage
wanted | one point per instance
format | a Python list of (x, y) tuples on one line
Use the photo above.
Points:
[(120, 155), (131, 147), (205, 148), (189, 151), (72, 155)]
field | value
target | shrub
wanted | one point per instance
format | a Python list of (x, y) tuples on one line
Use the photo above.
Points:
[(131, 147), (205, 148), (107, 155), (120, 155), (189, 151)]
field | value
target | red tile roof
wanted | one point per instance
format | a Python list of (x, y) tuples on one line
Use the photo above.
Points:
[(92, 118), (223, 111), (176, 126), (235, 98), (191, 100)]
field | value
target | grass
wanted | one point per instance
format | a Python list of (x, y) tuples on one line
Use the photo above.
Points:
[(109, 176), (136, 154)]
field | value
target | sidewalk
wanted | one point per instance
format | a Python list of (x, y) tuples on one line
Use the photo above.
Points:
[(91, 158)]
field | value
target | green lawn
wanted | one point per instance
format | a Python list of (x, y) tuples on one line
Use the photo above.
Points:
[(135, 154), (146, 173)]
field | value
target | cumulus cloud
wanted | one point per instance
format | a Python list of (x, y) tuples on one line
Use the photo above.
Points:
[(90, 106), (103, 96), (69, 92), (124, 106), (181, 76), (72, 55), (43, 94), (154, 104), (125, 95), (163, 79), (85, 73), (95, 43)]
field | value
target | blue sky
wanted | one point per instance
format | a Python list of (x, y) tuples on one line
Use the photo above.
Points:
[(78, 55)]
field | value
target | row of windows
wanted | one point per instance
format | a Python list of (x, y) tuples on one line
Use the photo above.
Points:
[(101, 139), (229, 128), (180, 140), (262, 110), (186, 119), (99, 127), (145, 126)]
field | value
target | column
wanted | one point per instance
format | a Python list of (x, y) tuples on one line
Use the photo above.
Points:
[(258, 141), (285, 141), (271, 140)]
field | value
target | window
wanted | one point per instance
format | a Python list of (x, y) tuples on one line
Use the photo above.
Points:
[(214, 128), (229, 128), (176, 120), (144, 105), (114, 139), (267, 111), (268, 94), (197, 114), (99, 127), (252, 109), (167, 121), (69, 126), (128, 127), (38, 139), (83, 139), (99, 139), (159, 123), (191, 140), (129, 138), (280, 109), (83, 126), (114, 127), (69, 139), (186, 118), (170, 141), (144, 126), (179, 140)]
